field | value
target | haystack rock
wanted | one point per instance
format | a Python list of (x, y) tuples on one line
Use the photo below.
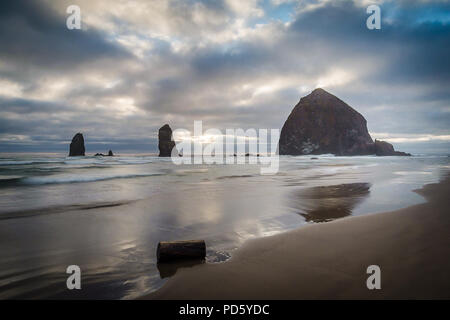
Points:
[(322, 123), (166, 143), (77, 146)]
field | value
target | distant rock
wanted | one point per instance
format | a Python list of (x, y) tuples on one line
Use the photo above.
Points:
[(383, 148), (322, 123), (110, 154), (166, 143), (77, 146)]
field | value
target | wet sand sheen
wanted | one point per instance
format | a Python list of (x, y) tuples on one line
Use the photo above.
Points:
[(329, 261)]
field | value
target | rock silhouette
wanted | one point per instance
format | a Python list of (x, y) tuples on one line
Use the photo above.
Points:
[(166, 143), (77, 146), (383, 148), (322, 123), (110, 154)]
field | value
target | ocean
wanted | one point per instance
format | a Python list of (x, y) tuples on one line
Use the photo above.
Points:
[(107, 214)]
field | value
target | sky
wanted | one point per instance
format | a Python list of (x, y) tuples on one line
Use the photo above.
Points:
[(136, 65)]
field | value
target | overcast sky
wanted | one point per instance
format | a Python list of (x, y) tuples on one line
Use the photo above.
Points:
[(137, 65)]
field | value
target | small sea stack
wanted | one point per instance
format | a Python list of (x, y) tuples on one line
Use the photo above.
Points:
[(77, 146), (166, 143), (110, 154)]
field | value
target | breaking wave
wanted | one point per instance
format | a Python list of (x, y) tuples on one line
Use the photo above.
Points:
[(77, 178)]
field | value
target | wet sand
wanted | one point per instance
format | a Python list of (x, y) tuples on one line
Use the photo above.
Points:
[(329, 260)]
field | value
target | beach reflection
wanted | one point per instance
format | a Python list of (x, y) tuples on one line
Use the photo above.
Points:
[(327, 203)]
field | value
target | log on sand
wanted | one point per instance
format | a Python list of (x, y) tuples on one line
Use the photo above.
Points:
[(178, 250)]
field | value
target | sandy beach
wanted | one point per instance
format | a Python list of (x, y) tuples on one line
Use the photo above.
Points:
[(329, 260)]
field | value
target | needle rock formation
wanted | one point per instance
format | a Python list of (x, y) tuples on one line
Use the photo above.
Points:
[(166, 143), (77, 146)]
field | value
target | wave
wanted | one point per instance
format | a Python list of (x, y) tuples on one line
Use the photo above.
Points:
[(6, 181), (26, 162), (187, 171), (84, 161), (15, 162), (77, 178), (235, 176), (137, 161), (6, 178), (107, 160), (61, 209)]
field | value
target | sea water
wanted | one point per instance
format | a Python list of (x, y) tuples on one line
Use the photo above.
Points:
[(107, 214)]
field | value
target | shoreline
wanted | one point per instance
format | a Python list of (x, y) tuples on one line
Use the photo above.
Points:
[(329, 260)]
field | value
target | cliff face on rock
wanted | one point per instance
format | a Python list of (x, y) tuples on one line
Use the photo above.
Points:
[(166, 143), (77, 146), (322, 123)]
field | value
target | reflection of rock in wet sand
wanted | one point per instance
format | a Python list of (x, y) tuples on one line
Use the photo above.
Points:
[(322, 204)]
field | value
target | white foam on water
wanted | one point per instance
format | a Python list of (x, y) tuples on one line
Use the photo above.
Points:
[(32, 161), (15, 162), (84, 161), (10, 177)]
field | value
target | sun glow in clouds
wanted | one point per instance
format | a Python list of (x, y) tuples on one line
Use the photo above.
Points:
[(240, 147), (335, 78), (9, 88), (182, 135)]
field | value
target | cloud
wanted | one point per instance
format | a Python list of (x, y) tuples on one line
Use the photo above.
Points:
[(233, 64), (34, 35)]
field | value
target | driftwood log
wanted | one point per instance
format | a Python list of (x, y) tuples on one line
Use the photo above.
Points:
[(178, 250)]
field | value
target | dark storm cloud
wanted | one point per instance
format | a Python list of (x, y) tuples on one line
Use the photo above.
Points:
[(416, 50), (32, 33), (27, 106)]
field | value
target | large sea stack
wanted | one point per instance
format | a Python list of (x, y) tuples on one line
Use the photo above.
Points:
[(322, 123), (166, 143), (77, 146)]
